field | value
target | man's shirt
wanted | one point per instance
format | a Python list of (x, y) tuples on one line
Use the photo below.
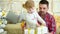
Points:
[(50, 22)]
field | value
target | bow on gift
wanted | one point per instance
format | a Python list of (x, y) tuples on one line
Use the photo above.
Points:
[(23, 24)]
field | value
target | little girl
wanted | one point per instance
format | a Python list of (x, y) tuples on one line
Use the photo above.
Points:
[(32, 16)]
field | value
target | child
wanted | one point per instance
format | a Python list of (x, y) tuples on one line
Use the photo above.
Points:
[(32, 16)]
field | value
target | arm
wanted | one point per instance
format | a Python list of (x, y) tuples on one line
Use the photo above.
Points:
[(40, 20), (53, 25)]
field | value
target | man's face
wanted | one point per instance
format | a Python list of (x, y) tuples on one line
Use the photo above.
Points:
[(43, 8)]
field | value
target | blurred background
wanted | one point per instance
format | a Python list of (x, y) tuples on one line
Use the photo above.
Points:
[(16, 7)]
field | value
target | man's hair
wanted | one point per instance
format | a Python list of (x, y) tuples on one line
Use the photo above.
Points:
[(44, 2)]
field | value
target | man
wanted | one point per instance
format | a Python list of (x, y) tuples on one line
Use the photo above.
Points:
[(49, 19)]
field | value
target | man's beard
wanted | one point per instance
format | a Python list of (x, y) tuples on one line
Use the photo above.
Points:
[(42, 12)]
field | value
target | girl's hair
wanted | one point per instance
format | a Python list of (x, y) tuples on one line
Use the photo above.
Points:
[(28, 4)]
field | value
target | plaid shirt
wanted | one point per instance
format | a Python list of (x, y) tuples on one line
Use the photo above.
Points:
[(50, 22)]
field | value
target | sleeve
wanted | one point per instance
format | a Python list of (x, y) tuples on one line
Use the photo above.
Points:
[(53, 24), (40, 19)]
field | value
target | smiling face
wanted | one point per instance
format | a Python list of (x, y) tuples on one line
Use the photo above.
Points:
[(43, 8)]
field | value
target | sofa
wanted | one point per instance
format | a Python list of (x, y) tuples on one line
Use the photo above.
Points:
[(13, 28)]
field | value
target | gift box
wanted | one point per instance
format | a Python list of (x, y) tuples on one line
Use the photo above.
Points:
[(42, 30), (38, 30), (29, 31)]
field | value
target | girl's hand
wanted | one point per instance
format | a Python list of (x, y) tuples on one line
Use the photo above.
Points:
[(38, 25), (43, 24)]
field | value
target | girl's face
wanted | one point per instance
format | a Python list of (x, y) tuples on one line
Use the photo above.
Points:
[(30, 10)]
